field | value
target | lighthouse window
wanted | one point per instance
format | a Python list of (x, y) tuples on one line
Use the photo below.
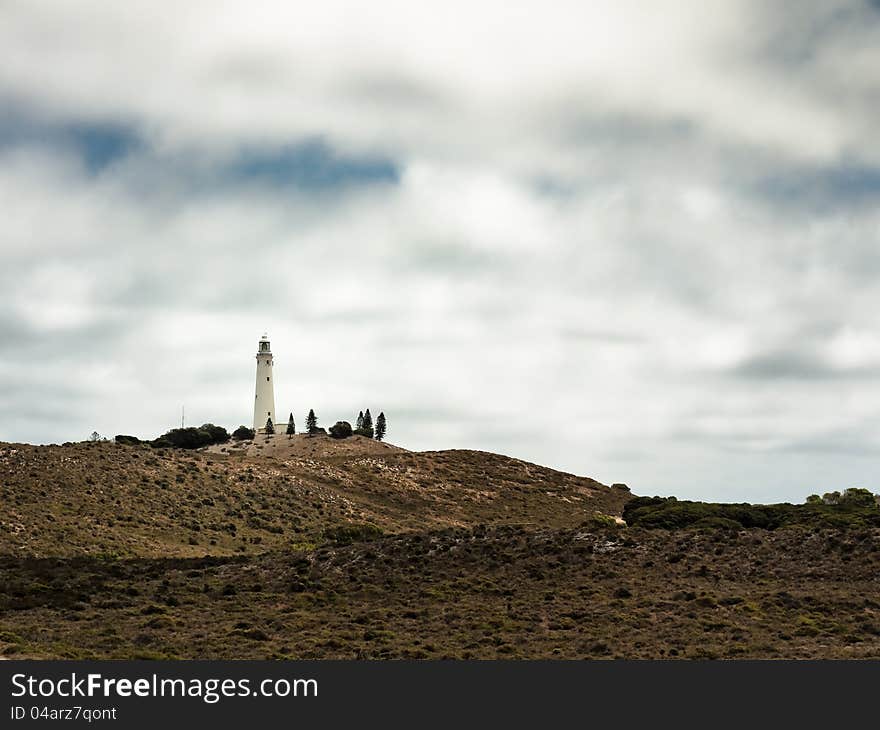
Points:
[(267, 380)]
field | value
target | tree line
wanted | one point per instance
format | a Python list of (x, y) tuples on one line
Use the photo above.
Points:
[(207, 434), (341, 429)]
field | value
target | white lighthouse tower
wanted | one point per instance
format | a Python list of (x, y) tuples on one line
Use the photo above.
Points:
[(264, 400)]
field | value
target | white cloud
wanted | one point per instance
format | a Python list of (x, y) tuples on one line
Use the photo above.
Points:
[(581, 260)]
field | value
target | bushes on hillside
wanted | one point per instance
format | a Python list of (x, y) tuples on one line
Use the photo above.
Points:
[(859, 508), (853, 498), (130, 440), (191, 437), (341, 430), (347, 534), (218, 434), (243, 433)]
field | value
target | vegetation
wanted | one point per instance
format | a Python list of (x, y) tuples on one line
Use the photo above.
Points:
[(854, 497), (479, 592), (311, 422), (852, 508), (130, 440), (291, 426), (381, 427), (362, 550), (243, 433), (365, 427), (103, 498), (341, 430), (270, 427), (191, 437), (348, 534)]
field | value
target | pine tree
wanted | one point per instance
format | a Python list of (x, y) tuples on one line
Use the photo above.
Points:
[(381, 426), (311, 421), (291, 428), (365, 425), (360, 421), (270, 427)]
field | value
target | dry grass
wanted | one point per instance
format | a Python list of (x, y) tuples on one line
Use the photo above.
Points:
[(328, 550)]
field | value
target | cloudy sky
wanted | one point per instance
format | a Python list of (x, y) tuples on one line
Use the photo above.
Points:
[(632, 240)]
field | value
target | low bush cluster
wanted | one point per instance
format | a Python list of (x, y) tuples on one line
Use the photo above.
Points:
[(348, 534), (192, 438), (341, 430), (853, 508), (243, 433)]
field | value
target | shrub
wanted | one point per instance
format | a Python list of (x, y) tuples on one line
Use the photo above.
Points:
[(341, 430), (598, 519), (714, 523), (243, 433), (192, 438), (841, 510), (857, 497), (218, 434), (347, 534), (130, 440)]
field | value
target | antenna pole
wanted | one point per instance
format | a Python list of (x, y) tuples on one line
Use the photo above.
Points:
[(182, 413)]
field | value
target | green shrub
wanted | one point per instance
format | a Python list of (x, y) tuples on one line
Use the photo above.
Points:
[(243, 433), (130, 440), (341, 430), (347, 534), (192, 438), (598, 519), (852, 508), (857, 497), (714, 523), (218, 434)]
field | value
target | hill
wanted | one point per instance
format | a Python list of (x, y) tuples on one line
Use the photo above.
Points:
[(119, 501), (315, 548)]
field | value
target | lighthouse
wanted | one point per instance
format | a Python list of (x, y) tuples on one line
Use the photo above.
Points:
[(264, 399)]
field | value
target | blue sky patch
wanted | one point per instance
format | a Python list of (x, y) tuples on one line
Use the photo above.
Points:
[(823, 188), (312, 164)]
